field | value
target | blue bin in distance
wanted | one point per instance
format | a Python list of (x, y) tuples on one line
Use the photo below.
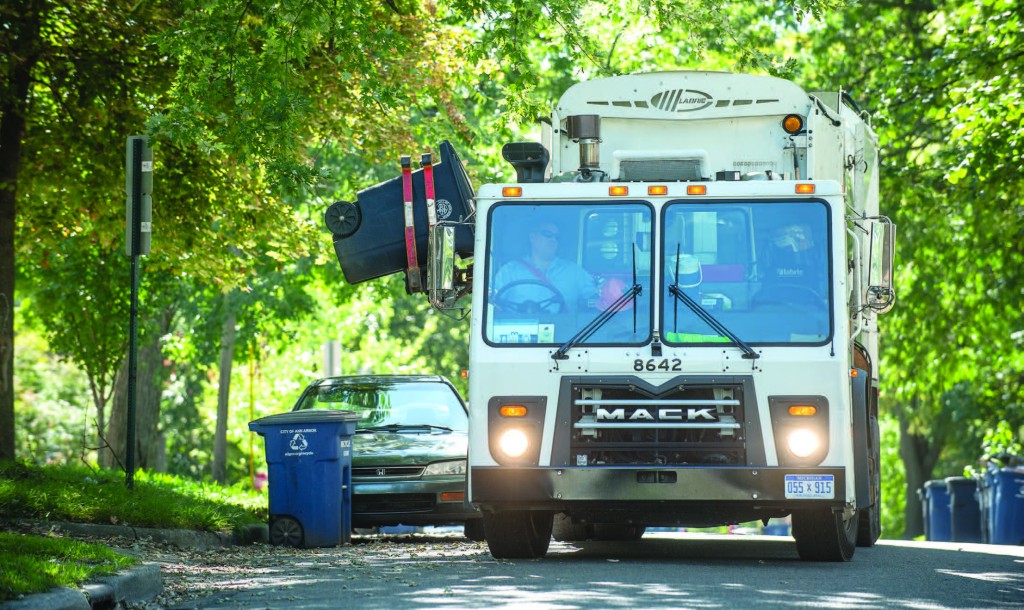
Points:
[(1006, 506), (925, 517), (309, 468), (939, 522), (964, 511), (985, 493)]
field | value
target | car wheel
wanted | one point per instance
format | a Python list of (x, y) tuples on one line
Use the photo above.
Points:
[(518, 534)]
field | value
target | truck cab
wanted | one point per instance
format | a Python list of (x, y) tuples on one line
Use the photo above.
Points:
[(674, 317)]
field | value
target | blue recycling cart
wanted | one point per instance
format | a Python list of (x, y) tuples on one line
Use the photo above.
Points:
[(964, 509), (935, 505), (1003, 493), (309, 464)]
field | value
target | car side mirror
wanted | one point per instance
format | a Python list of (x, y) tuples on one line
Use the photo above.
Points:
[(881, 295)]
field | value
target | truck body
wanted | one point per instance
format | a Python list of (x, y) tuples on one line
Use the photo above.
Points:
[(722, 365), (674, 316)]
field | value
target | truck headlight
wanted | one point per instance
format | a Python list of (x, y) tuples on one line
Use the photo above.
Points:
[(515, 427), (452, 467), (514, 442), (802, 443), (800, 426)]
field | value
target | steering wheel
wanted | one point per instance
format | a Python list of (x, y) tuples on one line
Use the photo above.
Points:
[(529, 306), (797, 295)]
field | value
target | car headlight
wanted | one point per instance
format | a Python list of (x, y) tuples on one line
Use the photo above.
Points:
[(802, 443), (452, 467)]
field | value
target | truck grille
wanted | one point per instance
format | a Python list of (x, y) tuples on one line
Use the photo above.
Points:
[(685, 425)]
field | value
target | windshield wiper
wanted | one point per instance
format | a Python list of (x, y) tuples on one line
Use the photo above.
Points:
[(397, 427), (705, 315), (602, 318)]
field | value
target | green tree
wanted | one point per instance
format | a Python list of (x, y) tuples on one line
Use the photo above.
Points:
[(70, 74), (942, 80), (243, 98), (81, 285)]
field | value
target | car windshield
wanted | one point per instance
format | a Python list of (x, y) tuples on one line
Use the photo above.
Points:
[(554, 268), (761, 270), (385, 403)]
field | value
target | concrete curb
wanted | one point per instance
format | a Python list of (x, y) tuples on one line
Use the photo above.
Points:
[(181, 538), (134, 585)]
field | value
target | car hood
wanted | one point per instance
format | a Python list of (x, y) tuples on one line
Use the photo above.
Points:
[(407, 448)]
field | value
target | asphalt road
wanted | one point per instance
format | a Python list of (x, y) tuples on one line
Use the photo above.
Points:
[(660, 571)]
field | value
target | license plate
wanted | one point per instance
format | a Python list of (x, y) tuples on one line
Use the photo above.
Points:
[(810, 487)]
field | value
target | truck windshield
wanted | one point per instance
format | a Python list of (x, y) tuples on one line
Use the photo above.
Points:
[(761, 269), (553, 267)]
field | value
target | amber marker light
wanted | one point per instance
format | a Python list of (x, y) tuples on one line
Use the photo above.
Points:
[(804, 188), (793, 123), (696, 189), (658, 189), (512, 191), (803, 410), (453, 496), (512, 411), (618, 191)]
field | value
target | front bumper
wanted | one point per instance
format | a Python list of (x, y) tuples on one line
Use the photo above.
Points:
[(543, 488), (416, 502)]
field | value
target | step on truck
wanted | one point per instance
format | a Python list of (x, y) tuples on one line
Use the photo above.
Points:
[(674, 315)]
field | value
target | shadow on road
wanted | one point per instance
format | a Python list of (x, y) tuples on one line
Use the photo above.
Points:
[(670, 571)]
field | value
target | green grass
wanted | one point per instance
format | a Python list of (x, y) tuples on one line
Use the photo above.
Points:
[(82, 495), (30, 564)]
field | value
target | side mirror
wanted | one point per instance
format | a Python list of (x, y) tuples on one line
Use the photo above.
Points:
[(881, 296), (442, 291)]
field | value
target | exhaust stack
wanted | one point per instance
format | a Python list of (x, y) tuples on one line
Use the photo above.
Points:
[(586, 129)]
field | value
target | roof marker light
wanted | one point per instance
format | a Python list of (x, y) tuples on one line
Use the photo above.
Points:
[(512, 191), (618, 191), (804, 188), (697, 189), (658, 189)]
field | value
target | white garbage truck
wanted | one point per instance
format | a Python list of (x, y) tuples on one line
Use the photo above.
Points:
[(674, 316)]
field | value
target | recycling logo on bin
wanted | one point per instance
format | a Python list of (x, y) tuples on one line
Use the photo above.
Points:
[(299, 443)]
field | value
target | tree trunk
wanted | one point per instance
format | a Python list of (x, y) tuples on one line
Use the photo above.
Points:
[(919, 454), (149, 388), (227, 350), (22, 27), (111, 453), (151, 375)]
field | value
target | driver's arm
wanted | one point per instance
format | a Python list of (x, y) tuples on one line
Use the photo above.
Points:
[(508, 273), (586, 287)]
